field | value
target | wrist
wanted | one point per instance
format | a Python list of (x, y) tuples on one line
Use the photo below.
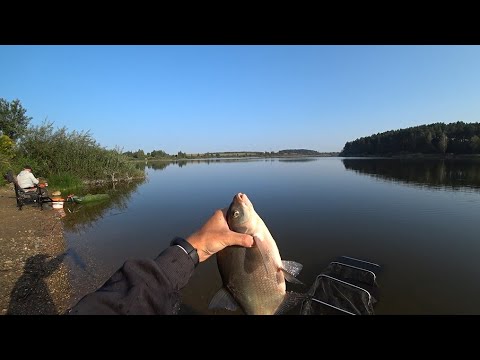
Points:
[(187, 247)]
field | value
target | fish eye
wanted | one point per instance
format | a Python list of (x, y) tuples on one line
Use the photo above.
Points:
[(236, 213)]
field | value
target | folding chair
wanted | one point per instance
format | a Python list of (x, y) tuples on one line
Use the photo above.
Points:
[(25, 197)]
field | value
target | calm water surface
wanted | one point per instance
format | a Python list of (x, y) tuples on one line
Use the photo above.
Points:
[(418, 219)]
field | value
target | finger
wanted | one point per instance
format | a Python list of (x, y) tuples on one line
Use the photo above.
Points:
[(239, 239), (224, 212), (218, 214), (219, 217)]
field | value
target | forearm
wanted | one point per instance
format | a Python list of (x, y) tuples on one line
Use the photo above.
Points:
[(34, 179), (142, 287)]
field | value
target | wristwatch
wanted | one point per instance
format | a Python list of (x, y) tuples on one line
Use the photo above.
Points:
[(187, 247)]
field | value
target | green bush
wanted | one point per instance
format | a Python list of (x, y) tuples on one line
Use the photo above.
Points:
[(72, 155), (6, 156)]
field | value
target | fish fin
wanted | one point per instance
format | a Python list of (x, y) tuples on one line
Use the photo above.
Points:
[(252, 260), (265, 258), (223, 300), (290, 278), (292, 267), (291, 300)]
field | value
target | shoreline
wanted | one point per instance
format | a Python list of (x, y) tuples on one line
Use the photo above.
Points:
[(234, 158), (385, 156), (417, 156), (34, 276)]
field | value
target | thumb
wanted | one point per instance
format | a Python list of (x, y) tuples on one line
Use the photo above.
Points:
[(239, 239)]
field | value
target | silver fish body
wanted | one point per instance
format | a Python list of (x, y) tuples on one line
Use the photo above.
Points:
[(253, 278)]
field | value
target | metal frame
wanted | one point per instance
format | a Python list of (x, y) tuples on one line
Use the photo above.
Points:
[(332, 306), (357, 268), (345, 283), (22, 196), (366, 262)]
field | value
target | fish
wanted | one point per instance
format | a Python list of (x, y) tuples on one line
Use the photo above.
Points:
[(254, 278)]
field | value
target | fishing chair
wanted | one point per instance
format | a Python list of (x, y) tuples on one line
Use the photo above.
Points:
[(24, 196)]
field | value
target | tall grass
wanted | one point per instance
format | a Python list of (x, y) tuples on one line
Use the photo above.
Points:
[(72, 156), (66, 183)]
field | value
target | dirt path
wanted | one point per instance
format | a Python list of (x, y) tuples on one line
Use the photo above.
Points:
[(33, 275)]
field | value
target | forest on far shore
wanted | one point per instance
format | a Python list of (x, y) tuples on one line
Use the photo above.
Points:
[(162, 155), (437, 138)]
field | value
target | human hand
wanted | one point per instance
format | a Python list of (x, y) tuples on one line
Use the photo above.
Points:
[(215, 235)]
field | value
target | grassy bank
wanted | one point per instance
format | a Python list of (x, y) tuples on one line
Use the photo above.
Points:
[(68, 159)]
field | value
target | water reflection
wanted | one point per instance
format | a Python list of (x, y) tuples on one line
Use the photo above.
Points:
[(455, 174), (425, 241), (83, 216), (162, 164), (298, 159), (156, 165)]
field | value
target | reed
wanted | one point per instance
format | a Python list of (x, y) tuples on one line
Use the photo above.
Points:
[(71, 157)]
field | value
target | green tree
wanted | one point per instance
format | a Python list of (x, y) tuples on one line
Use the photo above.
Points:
[(443, 143), (159, 154), (140, 154), (457, 138), (6, 146), (6, 154), (475, 144), (13, 121)]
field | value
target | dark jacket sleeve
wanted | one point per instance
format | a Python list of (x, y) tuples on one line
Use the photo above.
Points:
[(141, 287)]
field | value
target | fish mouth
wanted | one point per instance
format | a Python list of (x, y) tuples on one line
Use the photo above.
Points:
[(241, 197)]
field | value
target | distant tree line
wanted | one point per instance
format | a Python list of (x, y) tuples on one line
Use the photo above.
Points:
[(438, 138), (155, 154), (299, 152), (162, 155)]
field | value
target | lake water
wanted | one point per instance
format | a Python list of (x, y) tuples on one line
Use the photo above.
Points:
[(418, 219)]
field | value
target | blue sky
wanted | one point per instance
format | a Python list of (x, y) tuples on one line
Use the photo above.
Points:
[(227, 98)]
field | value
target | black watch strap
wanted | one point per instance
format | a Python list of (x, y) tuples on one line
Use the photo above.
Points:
[(189, 249)]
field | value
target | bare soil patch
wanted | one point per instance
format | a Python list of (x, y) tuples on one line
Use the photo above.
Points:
[(33, 275)]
